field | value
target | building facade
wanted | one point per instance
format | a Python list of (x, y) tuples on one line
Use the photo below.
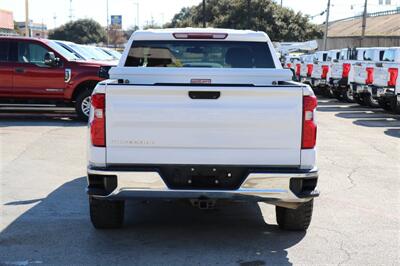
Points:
[(38, 30), (6, 23)]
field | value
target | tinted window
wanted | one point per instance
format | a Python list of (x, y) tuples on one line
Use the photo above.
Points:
[(368, 55), (211, 54), (389, 55), (31, 53), (4, 51), (381, 55)]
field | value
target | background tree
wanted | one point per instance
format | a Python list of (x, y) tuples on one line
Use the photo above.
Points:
[(131, 29), (280, 23), (117, 36), (83, 31)]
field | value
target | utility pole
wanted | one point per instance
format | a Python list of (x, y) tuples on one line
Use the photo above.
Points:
[(248, 14), (55, 20), (71, 16), (364, 22), (204, 13), (137, 14), (107, 29), (27, 19), (326, 25), (281, 3)]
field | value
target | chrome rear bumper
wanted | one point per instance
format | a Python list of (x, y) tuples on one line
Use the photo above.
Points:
[(274, 187)]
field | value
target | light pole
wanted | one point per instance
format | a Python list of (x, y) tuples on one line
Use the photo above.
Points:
[(364, 22), (326, 25), (137, 14), (27, 19), (108, 35)]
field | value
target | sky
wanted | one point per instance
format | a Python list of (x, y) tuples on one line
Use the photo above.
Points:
[(56, 12)]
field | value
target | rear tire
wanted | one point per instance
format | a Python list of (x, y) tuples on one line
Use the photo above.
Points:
[(383, 103), (82, 104), (370, 101), (348, 95), (338, 95), (106, 214), (395, 105), (328, 92), (360, 100), (295, 219)]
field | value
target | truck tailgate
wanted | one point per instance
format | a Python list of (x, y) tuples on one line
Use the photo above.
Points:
[(162, 124), (360, 74), (336, 70), (381, 76)]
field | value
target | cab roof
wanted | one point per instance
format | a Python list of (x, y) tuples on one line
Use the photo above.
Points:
[(231, 35)]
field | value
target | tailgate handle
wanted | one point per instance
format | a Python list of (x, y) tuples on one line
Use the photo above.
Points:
[(195, 95)]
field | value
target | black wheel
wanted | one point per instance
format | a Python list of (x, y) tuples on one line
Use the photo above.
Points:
[(347, 95), (358, 99), (82, 104), (317, 91), (385, 104), (295, 219), (328, 92), (106, 214), (370, 101), (395, 105), (338, 95)]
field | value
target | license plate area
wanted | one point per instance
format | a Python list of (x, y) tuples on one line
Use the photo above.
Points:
[(203, 177)]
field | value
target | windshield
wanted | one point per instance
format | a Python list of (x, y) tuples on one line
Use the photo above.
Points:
[(113, 53), (97, 54), (62, 51), (209, 54)]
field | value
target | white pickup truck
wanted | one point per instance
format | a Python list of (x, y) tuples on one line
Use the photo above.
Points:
[(321, 69), (386, 84), (341, 74), (203, 115), (305, 69), (363, 76)]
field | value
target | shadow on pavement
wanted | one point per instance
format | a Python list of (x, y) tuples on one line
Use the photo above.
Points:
[(57, 230), (362, 116), (393, 132), (61, 121)]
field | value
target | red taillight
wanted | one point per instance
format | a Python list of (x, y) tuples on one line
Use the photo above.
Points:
[(325, 70), (346, 70), (199, 35), (309, 134), (288, 65), (298, 66), (309, 69), (393, 74), (370, 75), (98, 122)]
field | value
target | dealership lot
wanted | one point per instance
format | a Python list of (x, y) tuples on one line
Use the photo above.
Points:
[(44, 209)]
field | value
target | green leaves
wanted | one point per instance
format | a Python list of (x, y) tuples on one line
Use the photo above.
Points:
[(281, 24), (83, 31)]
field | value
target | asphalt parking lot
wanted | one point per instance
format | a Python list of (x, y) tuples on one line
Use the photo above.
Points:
[(44, 209)]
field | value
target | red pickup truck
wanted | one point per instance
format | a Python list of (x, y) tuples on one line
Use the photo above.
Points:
[(41, 71)]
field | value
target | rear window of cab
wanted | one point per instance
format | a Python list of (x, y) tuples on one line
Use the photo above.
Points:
[(205, 54)]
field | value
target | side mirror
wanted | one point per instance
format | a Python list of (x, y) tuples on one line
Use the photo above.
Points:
[(51, 60)]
